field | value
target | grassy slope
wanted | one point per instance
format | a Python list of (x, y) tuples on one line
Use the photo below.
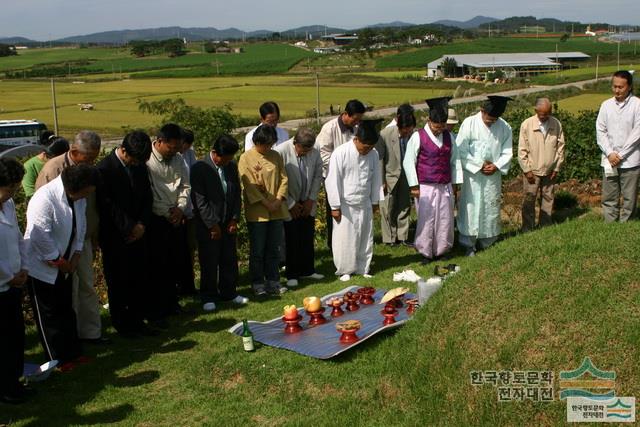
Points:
[(540, 301), (583, 102)]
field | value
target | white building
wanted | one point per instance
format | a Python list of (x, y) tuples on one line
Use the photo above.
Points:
[(520, 63)]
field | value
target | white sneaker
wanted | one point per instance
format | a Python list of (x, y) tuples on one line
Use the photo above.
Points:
[(345, 277), (209, 306), (367, 276), (314, 276), (240, 300), (292, 283)]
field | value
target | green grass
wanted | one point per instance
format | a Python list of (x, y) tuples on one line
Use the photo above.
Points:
[(115, 101), (578, 74), (31, 57), (583, 102), (421, 57), (256, 58), (540, 301)]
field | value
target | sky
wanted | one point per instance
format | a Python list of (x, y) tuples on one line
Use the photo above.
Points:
[(52, 19)]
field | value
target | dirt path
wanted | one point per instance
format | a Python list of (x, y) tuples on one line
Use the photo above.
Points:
[(384, 112)]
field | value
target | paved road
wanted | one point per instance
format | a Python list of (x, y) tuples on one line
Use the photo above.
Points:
[(385, 112)]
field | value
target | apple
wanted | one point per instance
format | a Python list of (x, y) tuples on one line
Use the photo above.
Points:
[(312, 304), (290, 312)]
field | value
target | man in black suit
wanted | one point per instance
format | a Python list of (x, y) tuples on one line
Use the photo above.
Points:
[(215, 193), (124, 205)]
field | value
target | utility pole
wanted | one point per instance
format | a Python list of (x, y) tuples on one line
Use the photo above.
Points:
[(618, 54), (317, 99), (597, 65), (557, 66), (55, 106)]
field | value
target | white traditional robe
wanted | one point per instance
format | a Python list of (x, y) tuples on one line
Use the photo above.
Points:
[(434, 228), (283, 135), (353, 186), (480, 198)]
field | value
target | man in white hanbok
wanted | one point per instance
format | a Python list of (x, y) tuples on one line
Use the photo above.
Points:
[(484, 145), (353, 192)]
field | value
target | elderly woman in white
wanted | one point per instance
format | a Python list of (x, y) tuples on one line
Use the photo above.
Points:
[(12, 277), (55, 233)]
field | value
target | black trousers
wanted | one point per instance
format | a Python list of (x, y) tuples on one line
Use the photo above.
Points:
[(165, 251), (218, 265), (186, 285), (12, 339), (299, 235), (55, 318), (126, 274)]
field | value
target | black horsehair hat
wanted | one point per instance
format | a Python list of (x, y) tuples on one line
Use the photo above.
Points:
[(495, 105), (438, 109)]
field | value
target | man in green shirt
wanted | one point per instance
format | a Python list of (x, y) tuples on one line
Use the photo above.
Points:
[(34, 165)]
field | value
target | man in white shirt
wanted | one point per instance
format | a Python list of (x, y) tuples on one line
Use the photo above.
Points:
[(618, 132), (269, 115), (353, 191), (333, 134)]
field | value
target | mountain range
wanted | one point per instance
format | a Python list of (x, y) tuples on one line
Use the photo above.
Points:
[(210, 33)]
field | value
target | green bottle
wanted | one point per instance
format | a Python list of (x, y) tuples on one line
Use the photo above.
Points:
[(247, 336)]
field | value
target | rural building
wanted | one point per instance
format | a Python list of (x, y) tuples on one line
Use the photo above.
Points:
[(341, 39), (512, 64)]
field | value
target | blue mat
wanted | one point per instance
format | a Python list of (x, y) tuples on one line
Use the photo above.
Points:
[(322, 341)]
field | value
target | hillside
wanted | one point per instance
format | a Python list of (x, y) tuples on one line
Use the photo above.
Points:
[(541, 301), (471, 23)]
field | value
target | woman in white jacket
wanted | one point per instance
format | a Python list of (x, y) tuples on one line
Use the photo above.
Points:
[(56, 227), (12, 278)]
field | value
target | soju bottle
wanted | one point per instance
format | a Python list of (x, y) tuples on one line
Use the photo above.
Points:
[(247, 336)]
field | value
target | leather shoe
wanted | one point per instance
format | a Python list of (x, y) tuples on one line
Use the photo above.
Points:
[(99, 340)]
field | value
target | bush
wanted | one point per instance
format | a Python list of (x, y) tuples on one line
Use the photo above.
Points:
[(207, 124), (565, 200)]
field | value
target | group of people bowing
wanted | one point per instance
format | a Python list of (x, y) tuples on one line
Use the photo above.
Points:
[(149, 204)]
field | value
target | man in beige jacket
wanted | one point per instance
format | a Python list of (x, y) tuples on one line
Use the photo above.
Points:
[(540, 154)]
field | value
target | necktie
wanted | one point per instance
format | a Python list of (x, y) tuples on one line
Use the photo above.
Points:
[(223, 180), (403, 148)]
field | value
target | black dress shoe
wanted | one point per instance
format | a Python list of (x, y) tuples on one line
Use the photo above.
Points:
[(98, 341), (13, 398), (159, 324), (146, 331), (128, 334)]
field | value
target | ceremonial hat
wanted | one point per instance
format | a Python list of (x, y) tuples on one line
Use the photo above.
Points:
[(495, 105), (438, 109)]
